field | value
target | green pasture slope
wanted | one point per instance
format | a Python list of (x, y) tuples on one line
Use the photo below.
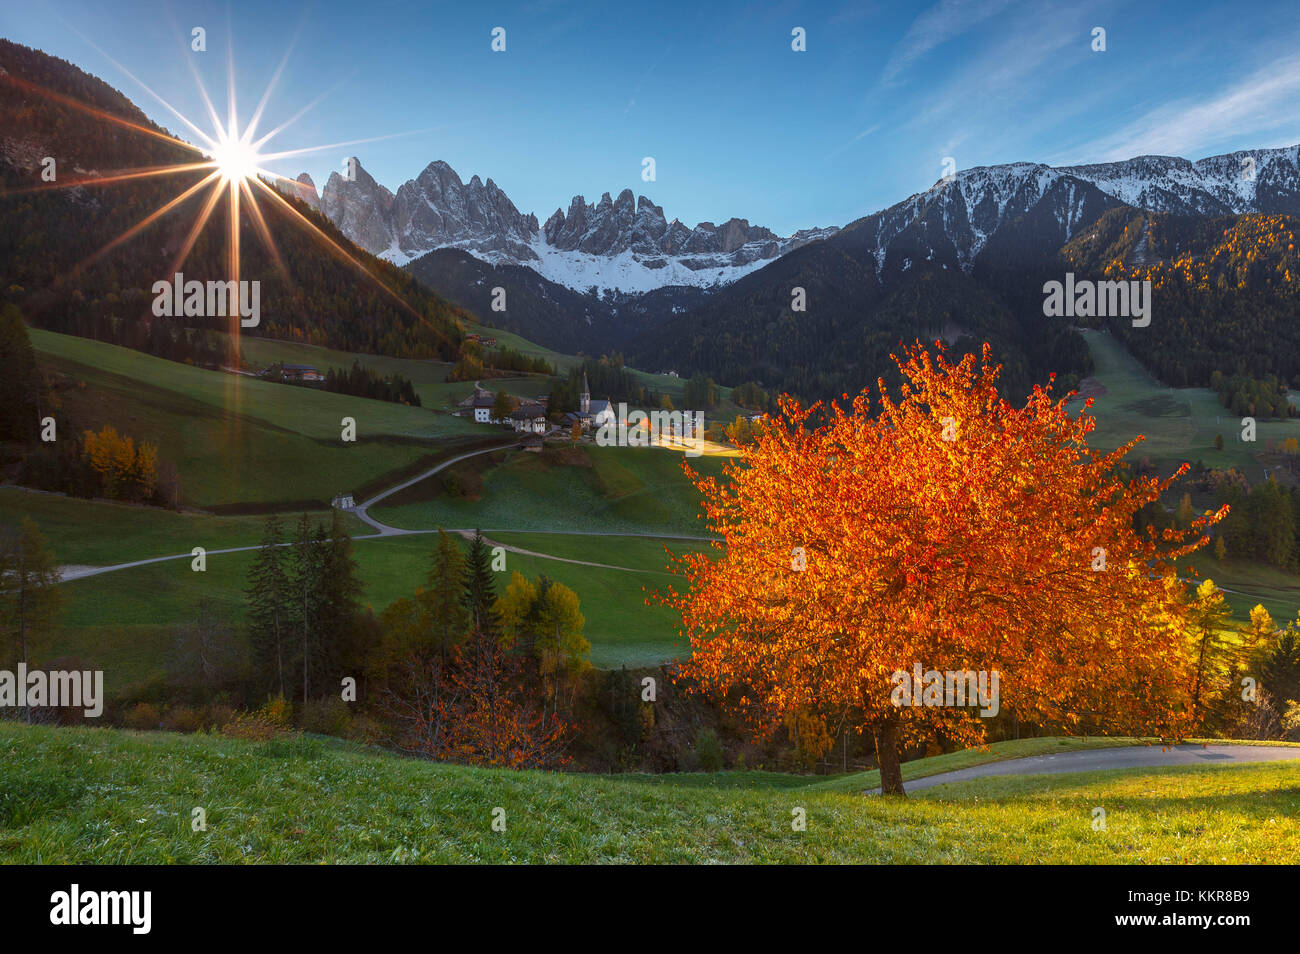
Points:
[(102, 533), (124, 621), (606, 489), (428, 377), (1178, 424), (110, 796), (238, 440)]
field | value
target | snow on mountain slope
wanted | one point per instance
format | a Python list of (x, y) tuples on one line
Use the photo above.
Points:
[(626, 245), (961, 215), (621, 244)]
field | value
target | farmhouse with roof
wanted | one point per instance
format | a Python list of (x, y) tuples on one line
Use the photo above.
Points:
[(529, 418)]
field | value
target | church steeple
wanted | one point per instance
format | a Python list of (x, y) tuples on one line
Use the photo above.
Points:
[(584, 400)]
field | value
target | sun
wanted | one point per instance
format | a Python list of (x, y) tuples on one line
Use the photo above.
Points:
[(228, 163), (235, 159)]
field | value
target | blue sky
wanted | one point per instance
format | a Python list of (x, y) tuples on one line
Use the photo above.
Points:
[(737, 122)]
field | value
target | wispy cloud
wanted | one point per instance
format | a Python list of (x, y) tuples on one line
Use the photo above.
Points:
[(936, 26), (1000, 74), (858, 138), (1266, 101)]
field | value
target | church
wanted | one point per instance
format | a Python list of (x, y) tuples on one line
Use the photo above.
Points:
[(590, 413)]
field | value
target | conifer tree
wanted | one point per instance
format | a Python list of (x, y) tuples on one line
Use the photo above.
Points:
[(29, 596), (306, 571), (22, 389), (269, 611), (339, 596), (448, 618), (480, 598)]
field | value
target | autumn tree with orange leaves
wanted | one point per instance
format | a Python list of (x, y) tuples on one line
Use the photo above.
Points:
[(942, 527)]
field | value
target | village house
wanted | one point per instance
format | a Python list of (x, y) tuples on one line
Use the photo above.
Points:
[(478, 406), (483, 404), (601, 413), (529, 419), (301, 372)]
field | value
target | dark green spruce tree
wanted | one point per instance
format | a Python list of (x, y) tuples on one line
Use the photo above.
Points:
[(440, 600), (340, 602), (22, 389), (479, 601), (269, 608), (306, 577)]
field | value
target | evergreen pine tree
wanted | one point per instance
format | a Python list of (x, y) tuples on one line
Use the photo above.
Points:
[(479, 600), (441, 599), (269, 612), (306, 572), (22, 389), (29, 596), (339, 597)]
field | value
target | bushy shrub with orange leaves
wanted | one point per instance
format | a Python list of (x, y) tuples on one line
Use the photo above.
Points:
[(944, 527)]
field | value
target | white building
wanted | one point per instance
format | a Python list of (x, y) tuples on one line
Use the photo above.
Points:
[(483, 404), (529, 419), (597, 412)]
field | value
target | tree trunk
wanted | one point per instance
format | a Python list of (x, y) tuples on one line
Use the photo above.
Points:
[(887, 755), (22, 632)]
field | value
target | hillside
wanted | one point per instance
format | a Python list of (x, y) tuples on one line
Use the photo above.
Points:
[(57, 263), (1225, 291), (107, 796), (238, 441)]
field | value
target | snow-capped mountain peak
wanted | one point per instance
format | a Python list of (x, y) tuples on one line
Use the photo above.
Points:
[(621, 243), (957, 217)]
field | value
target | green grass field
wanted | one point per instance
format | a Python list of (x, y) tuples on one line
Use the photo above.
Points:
[(103, 533), (1247, 585), (138, 607), (238, 440), (612, 489), (1179, 424), (428, 377), (111, 797)]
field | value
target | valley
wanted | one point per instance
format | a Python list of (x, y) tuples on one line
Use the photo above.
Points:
[(360, 551), (618, 507)]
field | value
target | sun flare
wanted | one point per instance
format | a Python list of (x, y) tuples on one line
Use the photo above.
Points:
[(235, 160)]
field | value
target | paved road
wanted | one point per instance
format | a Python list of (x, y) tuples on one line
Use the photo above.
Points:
[(68, 573), (1096, 760), (384, 529)]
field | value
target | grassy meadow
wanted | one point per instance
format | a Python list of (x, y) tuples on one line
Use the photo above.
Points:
[(597, 489), (110, 796), (123, 621), (1178, 424), (239, 440), (245, 441)]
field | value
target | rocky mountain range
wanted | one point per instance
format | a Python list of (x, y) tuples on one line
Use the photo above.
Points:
[(957, 219), (618, 244), (966, 260), (662, 284), (626, 245)]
